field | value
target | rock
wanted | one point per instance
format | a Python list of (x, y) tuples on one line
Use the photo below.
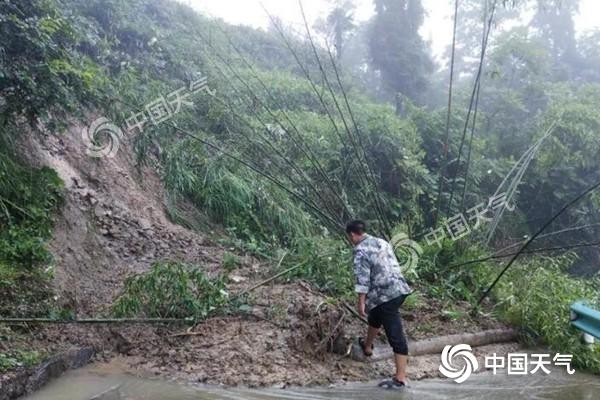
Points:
[(237, 279), (99, 211), (145, 224)]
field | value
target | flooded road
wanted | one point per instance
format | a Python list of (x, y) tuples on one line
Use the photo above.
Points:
[(88, 382)]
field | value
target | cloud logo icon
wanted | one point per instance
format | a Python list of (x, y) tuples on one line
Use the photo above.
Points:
[(461, 351), (408, 251), (102, 138)]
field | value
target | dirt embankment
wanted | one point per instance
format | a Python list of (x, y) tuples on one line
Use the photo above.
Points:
[(113, 225)]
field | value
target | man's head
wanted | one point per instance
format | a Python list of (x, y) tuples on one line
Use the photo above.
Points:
[(355, 231)]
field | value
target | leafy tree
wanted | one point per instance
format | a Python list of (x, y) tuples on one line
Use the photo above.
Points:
[(589, 52), (38, 67), (397, 50), (513, 92), (338, 25), (554, 25)]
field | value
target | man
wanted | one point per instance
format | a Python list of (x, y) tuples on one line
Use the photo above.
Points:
[(381, 291)]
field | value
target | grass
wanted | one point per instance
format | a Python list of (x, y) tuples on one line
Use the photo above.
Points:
[(230, 261), (413, 302)]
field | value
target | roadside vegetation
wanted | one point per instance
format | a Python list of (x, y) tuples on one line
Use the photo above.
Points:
[(28, 199)]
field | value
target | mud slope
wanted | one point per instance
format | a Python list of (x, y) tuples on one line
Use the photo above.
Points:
[(113, 222)]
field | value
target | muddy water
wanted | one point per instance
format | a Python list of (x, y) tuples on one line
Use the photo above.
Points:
[(86, 383)]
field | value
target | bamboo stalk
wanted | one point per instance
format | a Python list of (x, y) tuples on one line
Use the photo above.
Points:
[(436, 344), (271, 279), (360, 142), (355, 146), (448, 115), (533, 251), (269, 143), (315, 90), (475, 91), (247, 164), (306, 151), (96, 320)]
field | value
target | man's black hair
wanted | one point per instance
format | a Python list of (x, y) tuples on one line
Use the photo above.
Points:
[(357, 226)]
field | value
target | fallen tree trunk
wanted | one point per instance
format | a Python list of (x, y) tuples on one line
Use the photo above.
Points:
[(436, 344)]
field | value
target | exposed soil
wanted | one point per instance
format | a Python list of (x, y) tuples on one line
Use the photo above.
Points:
[(114, 224)]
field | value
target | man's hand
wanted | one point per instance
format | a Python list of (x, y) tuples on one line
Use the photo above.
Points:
[(361, 305)]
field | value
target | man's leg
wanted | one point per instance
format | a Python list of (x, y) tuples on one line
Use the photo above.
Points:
[(372, 333), (401, 363), (395, 334), (374, 320)]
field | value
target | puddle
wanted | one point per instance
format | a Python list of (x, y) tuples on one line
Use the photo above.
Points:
[(85, 383)]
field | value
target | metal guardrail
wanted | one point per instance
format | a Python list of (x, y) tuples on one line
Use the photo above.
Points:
[(586, 319)]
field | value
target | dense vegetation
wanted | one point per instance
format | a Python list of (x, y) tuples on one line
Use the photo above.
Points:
[(28, 198), (299, 138)]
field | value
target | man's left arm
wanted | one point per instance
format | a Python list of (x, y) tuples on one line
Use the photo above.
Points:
[(362, 271)]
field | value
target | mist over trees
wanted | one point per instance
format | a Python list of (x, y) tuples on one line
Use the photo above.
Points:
[(398, 53), (390, 56)]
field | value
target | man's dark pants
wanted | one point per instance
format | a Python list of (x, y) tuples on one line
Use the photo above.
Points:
[(388, 315)]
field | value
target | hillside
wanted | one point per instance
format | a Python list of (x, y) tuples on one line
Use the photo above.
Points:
[(159, 164)]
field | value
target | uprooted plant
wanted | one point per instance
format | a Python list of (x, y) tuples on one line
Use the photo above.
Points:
[(171, 290)]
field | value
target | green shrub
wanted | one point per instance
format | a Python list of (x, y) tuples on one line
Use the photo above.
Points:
[(327, 263), (230, 261), (171, 290), (251, 208), (24, 292), (538, 296), (534, 295), (438, 272), (29, 198), (413, 302), (18, 358)]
